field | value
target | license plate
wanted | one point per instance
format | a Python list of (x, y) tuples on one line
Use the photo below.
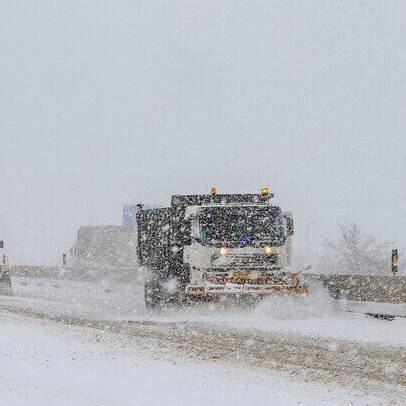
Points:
[(233, 287)]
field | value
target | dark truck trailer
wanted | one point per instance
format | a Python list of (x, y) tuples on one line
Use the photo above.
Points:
[(217, 244)]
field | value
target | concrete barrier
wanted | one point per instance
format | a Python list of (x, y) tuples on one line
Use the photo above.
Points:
[(29, 271), (373, 288), (71, 273)]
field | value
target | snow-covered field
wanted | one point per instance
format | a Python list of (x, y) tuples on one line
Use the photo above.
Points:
[(85, 343)]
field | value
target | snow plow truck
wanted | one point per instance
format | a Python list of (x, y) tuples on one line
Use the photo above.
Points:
[(206, 246)]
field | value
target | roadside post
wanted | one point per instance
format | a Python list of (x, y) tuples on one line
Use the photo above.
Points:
[(5, 280), (395, 259), (64, 259), (4, 258)]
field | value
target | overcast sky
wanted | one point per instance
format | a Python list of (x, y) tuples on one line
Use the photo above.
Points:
[(103, 103)]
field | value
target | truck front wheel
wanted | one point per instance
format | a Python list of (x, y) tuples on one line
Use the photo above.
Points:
[(159, 292), (153, 294)]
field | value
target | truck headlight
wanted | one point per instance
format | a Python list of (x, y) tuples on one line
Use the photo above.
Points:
[(268, 249), (223, 251)]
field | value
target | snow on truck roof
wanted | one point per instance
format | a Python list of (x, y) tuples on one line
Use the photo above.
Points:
[(193, 210), (221, 199)]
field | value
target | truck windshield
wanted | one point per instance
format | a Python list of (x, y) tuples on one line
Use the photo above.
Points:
[(240, 224)]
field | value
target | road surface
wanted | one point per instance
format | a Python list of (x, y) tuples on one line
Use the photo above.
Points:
[(328, 364)]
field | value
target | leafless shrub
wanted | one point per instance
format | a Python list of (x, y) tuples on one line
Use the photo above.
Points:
[(356, 253)]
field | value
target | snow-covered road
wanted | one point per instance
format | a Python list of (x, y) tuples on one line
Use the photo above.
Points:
[(45, 362), (283, 349), (315, 315)]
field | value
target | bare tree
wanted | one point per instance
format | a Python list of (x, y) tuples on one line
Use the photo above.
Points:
[(356, 253)]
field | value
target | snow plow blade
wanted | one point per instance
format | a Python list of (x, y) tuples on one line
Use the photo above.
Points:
[(247, 289), (249, 283), (5, 282)]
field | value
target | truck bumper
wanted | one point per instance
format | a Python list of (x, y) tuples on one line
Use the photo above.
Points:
[(248, 289)]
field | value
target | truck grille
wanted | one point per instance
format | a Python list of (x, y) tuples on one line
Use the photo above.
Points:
[(252, 260)]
